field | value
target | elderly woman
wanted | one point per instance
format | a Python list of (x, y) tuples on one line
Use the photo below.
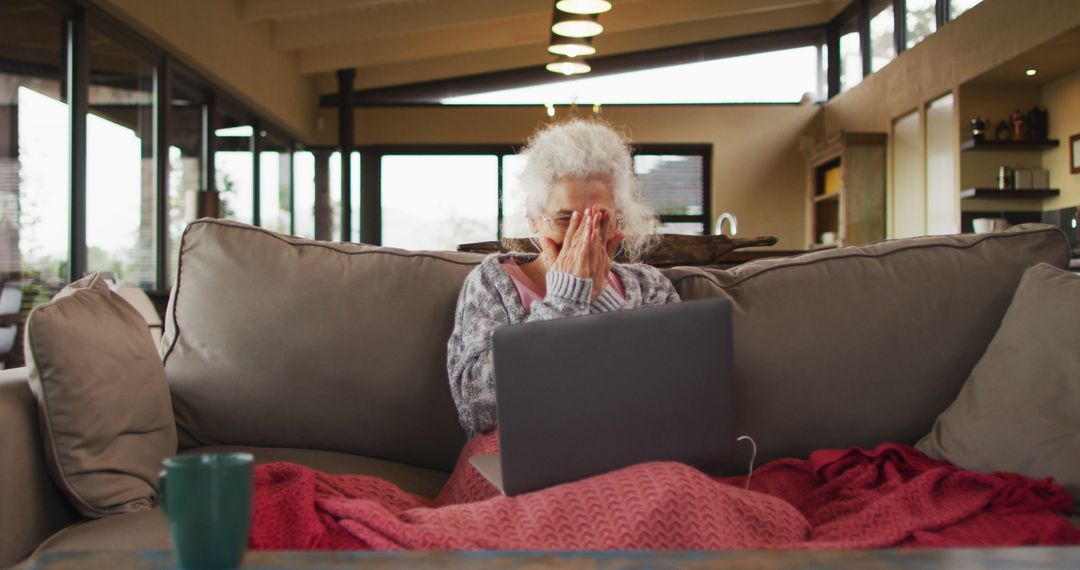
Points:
[(582, 203)]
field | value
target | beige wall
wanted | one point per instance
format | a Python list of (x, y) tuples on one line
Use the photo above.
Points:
[(758, 173), (909, 198), (942, 178), (1061, 99), (209, 36)]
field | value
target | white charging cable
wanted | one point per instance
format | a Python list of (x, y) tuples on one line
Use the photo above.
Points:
[(753, 457)]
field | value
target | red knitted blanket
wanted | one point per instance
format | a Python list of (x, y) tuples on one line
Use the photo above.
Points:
[(853, 499)]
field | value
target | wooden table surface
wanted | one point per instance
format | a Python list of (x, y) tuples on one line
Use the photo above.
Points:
[(968, 559)]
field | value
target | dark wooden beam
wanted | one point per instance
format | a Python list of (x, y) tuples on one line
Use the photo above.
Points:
[(78, 94), (371, 198), (322, 194), (256, 143), (163, 116), (209, 143), (346, 82), (900, 25), (864, 37), (292, 188), (833, 64)]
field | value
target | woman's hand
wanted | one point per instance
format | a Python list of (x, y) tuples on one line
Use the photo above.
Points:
[(600, 260), (584, 252)]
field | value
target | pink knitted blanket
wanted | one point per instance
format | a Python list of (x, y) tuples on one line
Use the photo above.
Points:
[(853, 499)]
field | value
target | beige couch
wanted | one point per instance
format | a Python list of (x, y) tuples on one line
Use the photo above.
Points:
[(333, 356)]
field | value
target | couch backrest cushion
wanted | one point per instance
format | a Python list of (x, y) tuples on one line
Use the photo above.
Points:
[(103, 402), (278, 341), (859, 346)]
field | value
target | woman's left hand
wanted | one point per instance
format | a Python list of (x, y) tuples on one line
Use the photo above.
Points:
[(600, 254)]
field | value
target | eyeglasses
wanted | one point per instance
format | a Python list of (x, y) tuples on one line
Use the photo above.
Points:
[(562, 223)]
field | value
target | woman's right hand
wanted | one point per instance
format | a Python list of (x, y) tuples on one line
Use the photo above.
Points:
[(573, 256)]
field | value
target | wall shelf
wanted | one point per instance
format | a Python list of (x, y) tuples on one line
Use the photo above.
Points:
[(994, 193), (972, 144)]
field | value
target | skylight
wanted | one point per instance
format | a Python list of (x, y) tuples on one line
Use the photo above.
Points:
[(782, 76)]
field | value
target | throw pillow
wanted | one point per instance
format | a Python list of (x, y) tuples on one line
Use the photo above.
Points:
[(1019, 410), (105, 411)]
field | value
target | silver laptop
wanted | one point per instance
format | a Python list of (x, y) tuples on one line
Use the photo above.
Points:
[(585, 395)]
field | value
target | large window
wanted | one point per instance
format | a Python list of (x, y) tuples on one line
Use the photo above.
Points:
[(235, 172), (185, 166), (336, 197), (674, 186), (957, 7), (514, 224), (921, 20), (439, 201), (770, 77), (304, 194), (882, 36), (120, 186), (34, 145), (120, 202), (881, 28), (275, 183), (312, 168), (851, 72)]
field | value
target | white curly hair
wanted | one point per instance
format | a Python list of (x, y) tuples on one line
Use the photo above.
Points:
[(586, 150)]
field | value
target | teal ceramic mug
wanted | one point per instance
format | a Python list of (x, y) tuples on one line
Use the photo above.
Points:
[(207, 500)]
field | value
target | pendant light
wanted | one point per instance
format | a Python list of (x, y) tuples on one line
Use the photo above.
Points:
[(569, 66), (571, 47), (583, 6), (575, 25)]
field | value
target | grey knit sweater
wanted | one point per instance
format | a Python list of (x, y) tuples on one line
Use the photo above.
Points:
[(489, 300)]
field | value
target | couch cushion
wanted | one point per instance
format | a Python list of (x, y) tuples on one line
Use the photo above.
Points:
[(104, 405), (1020, 409), (863, 345), (278, 341), (148, 530)]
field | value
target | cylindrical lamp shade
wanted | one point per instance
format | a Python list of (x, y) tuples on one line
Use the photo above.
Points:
[(583, 6), (575, 25), (569, 66), (571, 47)]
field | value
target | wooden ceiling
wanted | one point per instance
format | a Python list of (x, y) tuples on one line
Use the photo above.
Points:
[(395, 42)]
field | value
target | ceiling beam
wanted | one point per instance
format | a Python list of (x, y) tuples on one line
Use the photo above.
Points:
[(530, 32), (401, 19), (261, 10)]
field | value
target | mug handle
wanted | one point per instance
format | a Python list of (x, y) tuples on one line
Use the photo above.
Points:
[(161, 491)]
